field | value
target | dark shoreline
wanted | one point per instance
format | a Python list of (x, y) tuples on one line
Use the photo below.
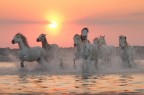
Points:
[(7, 54)]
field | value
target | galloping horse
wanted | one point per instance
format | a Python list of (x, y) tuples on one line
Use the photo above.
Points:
[(77, 44), (27, 53), (105, 51), (110, 49), (51, 49), (85, 50), (126, 51)]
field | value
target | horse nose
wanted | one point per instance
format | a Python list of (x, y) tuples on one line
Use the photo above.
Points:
[(84, 37), (13, 42), (37, 40)]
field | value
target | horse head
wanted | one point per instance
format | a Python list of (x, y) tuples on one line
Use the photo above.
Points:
[(102, 40), (41, 38), (122, 41), (84, 34), (18, 38), (76, 39)]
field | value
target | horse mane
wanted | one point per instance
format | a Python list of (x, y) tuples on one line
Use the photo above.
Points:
[(23, 38), (96, 38), (43, 34), (127, 43), (77, 35), (45, 43)]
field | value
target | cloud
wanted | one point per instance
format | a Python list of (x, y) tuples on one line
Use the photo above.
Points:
[(15, 21), (136, 14), (93, 20)]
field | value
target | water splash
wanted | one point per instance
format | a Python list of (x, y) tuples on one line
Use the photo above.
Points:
[(63, 64)]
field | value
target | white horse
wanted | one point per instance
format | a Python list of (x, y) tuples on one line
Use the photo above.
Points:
[(51, 49), (85, 50), (77, 45), (27, 53), (126, 51), (105, 51)]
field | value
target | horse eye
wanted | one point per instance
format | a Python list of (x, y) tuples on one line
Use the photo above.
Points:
[(17, 37)]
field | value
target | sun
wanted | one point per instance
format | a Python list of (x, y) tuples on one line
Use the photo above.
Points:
[(52, 28), (52, 24)]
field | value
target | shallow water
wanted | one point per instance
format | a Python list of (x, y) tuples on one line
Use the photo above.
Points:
[(68, 81)]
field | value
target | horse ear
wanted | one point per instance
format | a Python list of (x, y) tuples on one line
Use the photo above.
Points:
[(125, 37), (45, 34)]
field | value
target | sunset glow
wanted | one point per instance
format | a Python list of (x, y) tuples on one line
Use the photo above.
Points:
[(61, 19), (52, 24)]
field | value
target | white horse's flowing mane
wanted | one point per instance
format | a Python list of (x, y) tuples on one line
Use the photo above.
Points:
[(96, 38), (23, 38)]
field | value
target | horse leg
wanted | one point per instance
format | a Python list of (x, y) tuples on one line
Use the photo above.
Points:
[(22, 65), (46, 59), (39, 60), (22, 62), (103, 60), (128, 61), (87, 66), (61, 63), (96, 63), (74, 63), (109, 59), (84, 67), (131, 59)]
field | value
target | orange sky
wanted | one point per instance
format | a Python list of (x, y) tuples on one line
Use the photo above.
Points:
[(103, 17)]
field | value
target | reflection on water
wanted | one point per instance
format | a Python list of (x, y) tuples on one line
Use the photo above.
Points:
[(71, 84), (15, 81)]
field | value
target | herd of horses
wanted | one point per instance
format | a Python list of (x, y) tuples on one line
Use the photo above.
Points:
[(98, 50)]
